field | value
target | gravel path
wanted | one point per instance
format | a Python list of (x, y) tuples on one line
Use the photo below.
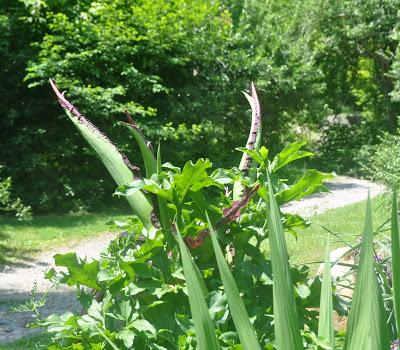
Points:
[(16, 282)]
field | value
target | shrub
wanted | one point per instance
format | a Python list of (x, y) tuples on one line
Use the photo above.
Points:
[(9, 203), (136, 294), (198, 252), (384, 164)]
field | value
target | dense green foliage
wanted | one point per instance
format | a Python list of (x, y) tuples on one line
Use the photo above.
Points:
[(8, 203), (138, 297), (178, 68), (143, 289), (384, 165)]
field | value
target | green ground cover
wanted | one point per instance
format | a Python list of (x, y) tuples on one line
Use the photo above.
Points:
[(21, 240)]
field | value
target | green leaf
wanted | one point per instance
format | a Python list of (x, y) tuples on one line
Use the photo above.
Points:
[(325, 324), (256, 155), (205, 333), (367, 328), (289, 154), (309, 183), (79, 272), (193, 178), (144, 326), (112, 159), (127, 336), (240, 317), (125, 309), (286, 323), (149, 160), (396, 261), (165, 217)]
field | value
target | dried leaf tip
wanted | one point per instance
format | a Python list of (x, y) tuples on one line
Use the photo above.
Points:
[(64, 102)]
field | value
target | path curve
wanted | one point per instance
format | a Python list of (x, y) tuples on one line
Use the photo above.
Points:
[(16, 282)]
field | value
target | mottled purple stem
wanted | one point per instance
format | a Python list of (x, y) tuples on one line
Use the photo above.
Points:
[(255, 126)]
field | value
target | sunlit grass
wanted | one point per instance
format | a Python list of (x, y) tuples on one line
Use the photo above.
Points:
[(346, 221), (32, 342), (19, 240)]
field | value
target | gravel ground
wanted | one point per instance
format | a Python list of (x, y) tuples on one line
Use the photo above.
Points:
[(17, 281), (343, 190)]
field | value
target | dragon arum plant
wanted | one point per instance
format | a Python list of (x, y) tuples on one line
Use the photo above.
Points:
[(190, 272)]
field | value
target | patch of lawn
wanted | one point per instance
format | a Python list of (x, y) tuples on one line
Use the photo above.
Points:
[(32, 342), (347, 221), (20, 240)]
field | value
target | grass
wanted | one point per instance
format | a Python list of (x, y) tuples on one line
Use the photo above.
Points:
[(22, 240), (347, 221), (31, 342)]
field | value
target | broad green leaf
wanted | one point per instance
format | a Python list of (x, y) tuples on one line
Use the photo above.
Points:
[(309, 183), (286, 323), (240, 317), (325, 324), (127, 336), (367, 326), (289, 154), (150, 185), (205, 333), (260, 156), (396, 261), (112, 159), (142, 325), (193, 178), (292, 222), (82, 273)]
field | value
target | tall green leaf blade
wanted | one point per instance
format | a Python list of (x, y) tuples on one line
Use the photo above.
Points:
[(112, 159), (117, 168), (205, 333), (325, 324), (165, 217), (240, 317), (396, 261), (367, 326), (287, 330), (150, 162)]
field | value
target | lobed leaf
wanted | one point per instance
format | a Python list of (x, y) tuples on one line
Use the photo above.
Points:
[(309, 183), (289, 154), (193, 178), (80, 272)]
